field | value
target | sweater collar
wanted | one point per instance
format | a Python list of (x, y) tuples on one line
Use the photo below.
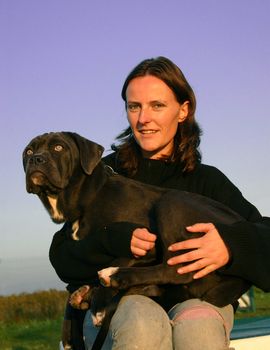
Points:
[(156, 172)]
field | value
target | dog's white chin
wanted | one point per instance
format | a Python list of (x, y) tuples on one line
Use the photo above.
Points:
[(56, 215)]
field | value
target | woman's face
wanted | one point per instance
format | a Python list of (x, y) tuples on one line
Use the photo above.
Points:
[(153, 114)]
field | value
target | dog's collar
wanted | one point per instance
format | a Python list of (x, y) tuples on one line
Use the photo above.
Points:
[(110, 170)]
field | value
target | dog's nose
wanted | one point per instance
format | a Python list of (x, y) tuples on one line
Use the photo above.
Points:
[(37, 159)]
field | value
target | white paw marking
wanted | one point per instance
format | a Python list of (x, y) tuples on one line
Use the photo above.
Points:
[(104, 275), (98, 318)]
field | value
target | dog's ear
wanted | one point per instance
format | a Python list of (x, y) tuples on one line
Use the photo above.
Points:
[(90, 152)]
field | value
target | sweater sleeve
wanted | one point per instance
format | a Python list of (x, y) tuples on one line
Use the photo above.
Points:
[(249, 245), (116, 238), (248, 240)]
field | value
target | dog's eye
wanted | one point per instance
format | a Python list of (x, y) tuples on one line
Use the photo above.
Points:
[(58, 148), (29, 152)]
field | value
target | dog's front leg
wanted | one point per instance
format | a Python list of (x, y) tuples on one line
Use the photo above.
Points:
[(173, 215), (124, 278)]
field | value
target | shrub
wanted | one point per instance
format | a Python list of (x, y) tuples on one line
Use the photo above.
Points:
[(35, 306)]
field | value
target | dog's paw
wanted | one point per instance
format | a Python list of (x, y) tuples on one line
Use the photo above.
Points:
[(80, 299), (105, 274), (98, 318)]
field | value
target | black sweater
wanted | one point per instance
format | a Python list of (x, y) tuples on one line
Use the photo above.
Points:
[(76, 262)]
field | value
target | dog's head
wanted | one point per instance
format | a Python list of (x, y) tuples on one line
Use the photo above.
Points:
[(50, 160)]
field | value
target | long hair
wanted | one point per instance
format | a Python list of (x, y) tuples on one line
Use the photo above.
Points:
[(187, 137)]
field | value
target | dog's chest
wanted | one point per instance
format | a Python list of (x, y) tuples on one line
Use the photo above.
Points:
[(55, 213)]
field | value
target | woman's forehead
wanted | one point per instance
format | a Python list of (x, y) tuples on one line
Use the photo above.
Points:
[(149, 87)]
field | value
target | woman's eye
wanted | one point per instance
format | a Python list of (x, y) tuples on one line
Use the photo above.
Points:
[(29, 152), (133, 107), (58, 148), (158, 105)]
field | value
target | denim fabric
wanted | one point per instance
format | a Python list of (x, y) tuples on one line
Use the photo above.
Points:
[(140, 323), (199, 325)]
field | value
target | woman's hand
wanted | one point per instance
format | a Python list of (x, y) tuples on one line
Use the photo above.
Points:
[(141, 242), (209, 251)]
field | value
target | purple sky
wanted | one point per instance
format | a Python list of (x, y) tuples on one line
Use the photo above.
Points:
[(62, 65)]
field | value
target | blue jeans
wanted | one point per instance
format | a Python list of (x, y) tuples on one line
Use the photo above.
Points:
[(140, 323)]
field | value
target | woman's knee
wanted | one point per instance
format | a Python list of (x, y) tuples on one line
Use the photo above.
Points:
[(140, 323), (138, 312), (196, 322)]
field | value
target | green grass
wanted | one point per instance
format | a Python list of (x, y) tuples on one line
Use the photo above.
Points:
[(31, 335), (262, 306), (32, 321)]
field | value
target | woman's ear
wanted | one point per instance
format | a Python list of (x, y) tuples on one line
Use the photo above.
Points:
[(183, 112)]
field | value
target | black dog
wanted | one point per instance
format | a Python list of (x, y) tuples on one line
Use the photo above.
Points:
[(65, 171)]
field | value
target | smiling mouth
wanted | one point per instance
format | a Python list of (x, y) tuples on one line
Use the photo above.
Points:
[(147, 132)]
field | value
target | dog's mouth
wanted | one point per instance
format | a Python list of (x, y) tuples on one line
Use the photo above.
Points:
[(38, 178), (38, 182)]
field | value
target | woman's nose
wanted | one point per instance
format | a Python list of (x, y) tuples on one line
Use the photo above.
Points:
[(144, 116)]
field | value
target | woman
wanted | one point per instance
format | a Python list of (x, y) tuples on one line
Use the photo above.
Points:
[(160, 147)]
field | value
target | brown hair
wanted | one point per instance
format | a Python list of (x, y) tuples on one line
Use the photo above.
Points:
[(187, 137)]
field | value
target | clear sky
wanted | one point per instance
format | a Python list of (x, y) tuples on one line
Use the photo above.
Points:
[(62, 65)]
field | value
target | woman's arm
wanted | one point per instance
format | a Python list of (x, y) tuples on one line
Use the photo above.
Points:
[(249, 243)]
